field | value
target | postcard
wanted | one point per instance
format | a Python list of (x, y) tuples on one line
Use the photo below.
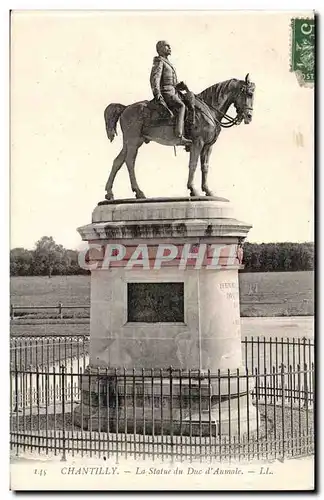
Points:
[(162, 250)]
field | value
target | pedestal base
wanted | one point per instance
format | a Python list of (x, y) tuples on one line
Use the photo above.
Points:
[(197, 406)]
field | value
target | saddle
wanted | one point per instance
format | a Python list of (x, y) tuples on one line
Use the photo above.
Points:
[(159, 115)]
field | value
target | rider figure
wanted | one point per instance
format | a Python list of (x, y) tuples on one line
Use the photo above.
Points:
[(165, 87)]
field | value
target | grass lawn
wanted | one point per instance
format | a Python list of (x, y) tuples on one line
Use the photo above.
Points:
[(277, 294), (262, 294), (43, 291)]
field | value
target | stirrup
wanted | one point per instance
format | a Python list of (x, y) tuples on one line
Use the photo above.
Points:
[(184, 142)]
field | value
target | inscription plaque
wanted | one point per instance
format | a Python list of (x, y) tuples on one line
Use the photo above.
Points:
[(155, 302)]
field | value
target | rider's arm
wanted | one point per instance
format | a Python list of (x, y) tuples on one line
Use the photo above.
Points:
[(155, 77)]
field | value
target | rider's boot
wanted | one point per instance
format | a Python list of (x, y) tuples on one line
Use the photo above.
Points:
[(179, 126)]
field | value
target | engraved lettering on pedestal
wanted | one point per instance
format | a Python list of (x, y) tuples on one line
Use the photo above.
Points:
[(232, 294)]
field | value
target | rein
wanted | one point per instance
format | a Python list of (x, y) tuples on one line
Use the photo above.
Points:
[(230, 120)]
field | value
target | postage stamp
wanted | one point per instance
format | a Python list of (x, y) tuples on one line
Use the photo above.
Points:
[(303, 50)]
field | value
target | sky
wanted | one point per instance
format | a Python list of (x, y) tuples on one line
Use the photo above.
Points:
[(66, 67)]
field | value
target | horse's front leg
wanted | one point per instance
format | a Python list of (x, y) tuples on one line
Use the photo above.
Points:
[(204, 161), (194, 155)]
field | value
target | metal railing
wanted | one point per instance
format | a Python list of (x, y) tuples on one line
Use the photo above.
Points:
[(59, 406), (265, 353), (257, 352)]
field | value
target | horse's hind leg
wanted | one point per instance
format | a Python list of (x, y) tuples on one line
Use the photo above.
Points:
[(132, 150), (118, 162)]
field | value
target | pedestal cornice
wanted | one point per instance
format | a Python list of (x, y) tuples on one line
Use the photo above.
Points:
[(164, 218)]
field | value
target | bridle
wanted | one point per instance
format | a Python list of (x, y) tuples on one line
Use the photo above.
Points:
[(230, 121)]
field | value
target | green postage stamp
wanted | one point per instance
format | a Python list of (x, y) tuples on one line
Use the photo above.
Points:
[(303, 50)]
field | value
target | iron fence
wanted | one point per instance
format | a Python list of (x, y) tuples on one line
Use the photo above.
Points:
[(61, 406), (52, 350), (264, 353), (47, 351)]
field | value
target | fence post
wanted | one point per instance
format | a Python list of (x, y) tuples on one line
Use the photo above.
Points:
[(63, 459), (305, 386), (16, 385), (12, 313), (60, 310)]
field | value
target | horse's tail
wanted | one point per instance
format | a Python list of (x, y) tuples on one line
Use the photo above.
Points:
[(112, 114)]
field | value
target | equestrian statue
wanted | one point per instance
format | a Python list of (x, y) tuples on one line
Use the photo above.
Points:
[(177, 117)]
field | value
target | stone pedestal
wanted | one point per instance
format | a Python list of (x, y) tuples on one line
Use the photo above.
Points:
[(164, 292)]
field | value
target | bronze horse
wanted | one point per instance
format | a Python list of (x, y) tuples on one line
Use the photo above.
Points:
[(139, 124)]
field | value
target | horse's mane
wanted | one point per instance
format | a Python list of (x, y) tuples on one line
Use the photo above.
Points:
[(215, 93)]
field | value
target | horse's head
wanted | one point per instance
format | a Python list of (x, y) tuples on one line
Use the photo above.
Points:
[(243, 101)]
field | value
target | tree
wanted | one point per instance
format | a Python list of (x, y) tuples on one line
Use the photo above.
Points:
[(21, 261), (48, 256), (286, 256)]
